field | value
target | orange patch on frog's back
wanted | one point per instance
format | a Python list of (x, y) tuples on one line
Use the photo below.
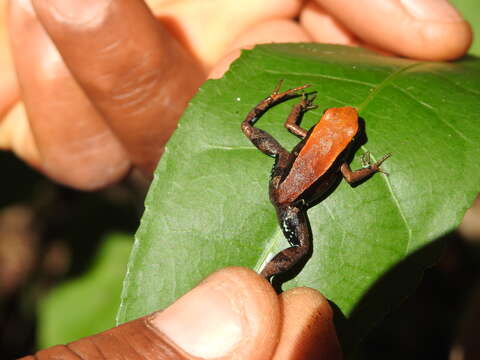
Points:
[(329, 138)]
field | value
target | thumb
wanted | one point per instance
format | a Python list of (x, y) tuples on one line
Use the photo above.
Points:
[(234, 313)]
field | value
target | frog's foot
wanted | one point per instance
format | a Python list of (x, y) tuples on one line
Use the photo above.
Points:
[(376, 165), (366, 159), (273, 99), (367, 163), (296, 115), (368, 169), (307, 101), (278, 96)]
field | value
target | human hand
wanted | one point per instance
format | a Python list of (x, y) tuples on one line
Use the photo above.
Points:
[(105, 95), (232, 314)]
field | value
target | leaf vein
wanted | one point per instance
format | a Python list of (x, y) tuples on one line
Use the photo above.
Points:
[(396, 202), (385, 82), (458, 85), (432, 109)]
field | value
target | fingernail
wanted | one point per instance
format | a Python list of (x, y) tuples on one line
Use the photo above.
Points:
[(80, 12), (432, 10), (206, 322)]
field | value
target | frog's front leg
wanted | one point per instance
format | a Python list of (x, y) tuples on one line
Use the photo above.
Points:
[(293, 121), (357, 175), (294, 224)]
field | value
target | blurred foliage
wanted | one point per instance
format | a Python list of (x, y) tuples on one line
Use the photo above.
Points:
[(48, 235), (88, 304)]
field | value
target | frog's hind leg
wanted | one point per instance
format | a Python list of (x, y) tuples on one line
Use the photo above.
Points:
[(273, 99), (260, 138), (294, 224), (296, 115)]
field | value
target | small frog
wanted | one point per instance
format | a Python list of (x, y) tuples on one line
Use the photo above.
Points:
[(306, 174)]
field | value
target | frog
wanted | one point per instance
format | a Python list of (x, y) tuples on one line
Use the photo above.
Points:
[(306, 175)]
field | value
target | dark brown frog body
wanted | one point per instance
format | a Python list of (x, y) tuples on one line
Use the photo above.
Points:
[(308, 172)]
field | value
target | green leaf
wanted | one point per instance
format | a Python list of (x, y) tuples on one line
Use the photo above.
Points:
[(86, 305), (208, 206)]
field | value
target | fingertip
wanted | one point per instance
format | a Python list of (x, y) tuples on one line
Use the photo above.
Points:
[(85, 169), (234, 313), (420, 29), (308, 331), (441, 41)]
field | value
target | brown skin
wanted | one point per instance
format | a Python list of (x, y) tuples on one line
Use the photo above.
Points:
[(309, 172), (103, 96), (232, 314)]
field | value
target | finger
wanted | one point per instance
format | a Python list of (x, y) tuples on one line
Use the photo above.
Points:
[(324, 28), (233, 314), (133, 341), (135, 73), (422, 29), (307, 331), (219, 21), (75, 147), (270, 31)]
